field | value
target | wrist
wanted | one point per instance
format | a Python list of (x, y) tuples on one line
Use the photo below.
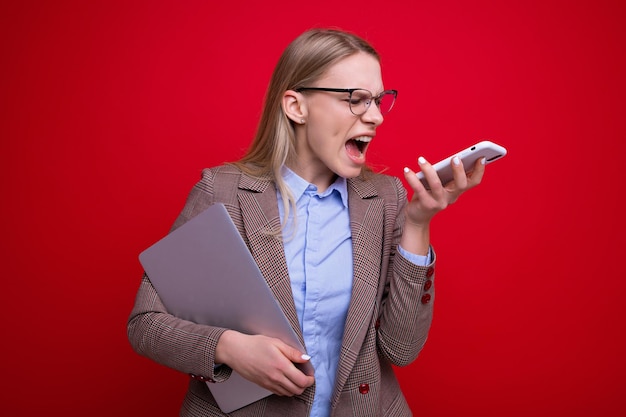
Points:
[(224, 346), (416, 238)]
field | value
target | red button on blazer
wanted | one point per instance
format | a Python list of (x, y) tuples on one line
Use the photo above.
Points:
[(364, 388), (201, 378)]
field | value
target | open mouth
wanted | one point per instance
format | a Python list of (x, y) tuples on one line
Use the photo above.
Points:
[(356, 147)]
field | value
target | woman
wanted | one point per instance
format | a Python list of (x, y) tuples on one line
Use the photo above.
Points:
[(351, 260)]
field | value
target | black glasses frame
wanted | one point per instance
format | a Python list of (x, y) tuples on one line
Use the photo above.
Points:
[(375, 99)]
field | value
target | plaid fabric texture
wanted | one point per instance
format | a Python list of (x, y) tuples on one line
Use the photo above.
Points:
[(388, 319)]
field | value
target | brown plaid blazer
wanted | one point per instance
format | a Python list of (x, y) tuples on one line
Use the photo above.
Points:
[(388, 319)]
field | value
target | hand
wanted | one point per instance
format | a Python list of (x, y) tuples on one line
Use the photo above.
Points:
[(426, 203), (265, 361)]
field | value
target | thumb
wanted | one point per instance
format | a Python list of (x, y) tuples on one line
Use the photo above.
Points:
[(294, 355)]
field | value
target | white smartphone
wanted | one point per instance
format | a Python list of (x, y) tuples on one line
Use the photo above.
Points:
[(485, 149)]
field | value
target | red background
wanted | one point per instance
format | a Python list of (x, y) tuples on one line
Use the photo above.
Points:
[(110, 109)]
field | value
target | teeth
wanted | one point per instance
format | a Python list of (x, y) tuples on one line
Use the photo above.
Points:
[(365, 139)]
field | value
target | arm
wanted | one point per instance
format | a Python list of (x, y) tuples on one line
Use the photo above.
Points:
[(196, 349), (404, 320), (170, 341), (153, 332), (425, 204), (407, 304)]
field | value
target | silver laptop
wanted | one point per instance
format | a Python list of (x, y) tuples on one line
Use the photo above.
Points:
[(204, 272)]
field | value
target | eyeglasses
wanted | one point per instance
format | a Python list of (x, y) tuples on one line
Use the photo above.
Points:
[(360, 98)]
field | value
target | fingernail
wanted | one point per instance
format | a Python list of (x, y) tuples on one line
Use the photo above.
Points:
[(406, 170), (306, 357), (483, 161), (421, 160), (456, 160)]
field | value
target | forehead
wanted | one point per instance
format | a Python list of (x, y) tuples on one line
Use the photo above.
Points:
[(360, 70)]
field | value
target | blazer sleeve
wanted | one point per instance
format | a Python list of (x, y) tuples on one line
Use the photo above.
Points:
[(179, 344), (408, 296)]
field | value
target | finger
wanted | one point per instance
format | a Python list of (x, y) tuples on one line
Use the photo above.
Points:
[(433, 180), (458, 172), (287, 380), (436, 188), (286, 385), (294, 355), (284, 389), (301, 358), (293, 381), (416, 185), (477, 174), (297, 376)]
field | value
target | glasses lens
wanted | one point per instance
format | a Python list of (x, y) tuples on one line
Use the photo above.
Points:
[(359, 101), (386, 101)]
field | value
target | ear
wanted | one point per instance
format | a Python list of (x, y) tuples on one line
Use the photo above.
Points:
[(294, 107)]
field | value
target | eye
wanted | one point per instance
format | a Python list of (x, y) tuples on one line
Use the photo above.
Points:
[(355, 101), (360, 98)]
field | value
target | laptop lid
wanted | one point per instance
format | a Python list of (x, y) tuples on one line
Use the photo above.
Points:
[(204, 272)]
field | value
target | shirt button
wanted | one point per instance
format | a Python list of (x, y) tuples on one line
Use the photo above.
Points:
[(425, 298), (364, 388), (430, 271), (428, 284)]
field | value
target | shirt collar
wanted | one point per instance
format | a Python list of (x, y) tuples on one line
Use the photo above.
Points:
[(299, 186)]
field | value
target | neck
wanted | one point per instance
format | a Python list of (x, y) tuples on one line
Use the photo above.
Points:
[(321, 179)]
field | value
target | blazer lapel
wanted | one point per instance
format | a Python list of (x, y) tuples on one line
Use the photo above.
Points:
[(366, 222), (259, 208)]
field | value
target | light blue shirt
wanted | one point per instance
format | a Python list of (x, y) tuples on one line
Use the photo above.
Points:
[(319, 259)]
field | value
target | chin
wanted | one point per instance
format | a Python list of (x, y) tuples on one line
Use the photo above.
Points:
[(352, 172)]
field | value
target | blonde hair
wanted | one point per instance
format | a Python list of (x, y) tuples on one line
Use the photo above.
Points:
[(304, 61)]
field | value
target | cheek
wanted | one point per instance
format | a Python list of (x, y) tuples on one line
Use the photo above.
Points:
[(329, 130)]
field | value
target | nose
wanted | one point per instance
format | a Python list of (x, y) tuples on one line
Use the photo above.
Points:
[(373, 115)]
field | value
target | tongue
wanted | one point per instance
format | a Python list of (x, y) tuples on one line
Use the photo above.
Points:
[(353, 149)]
